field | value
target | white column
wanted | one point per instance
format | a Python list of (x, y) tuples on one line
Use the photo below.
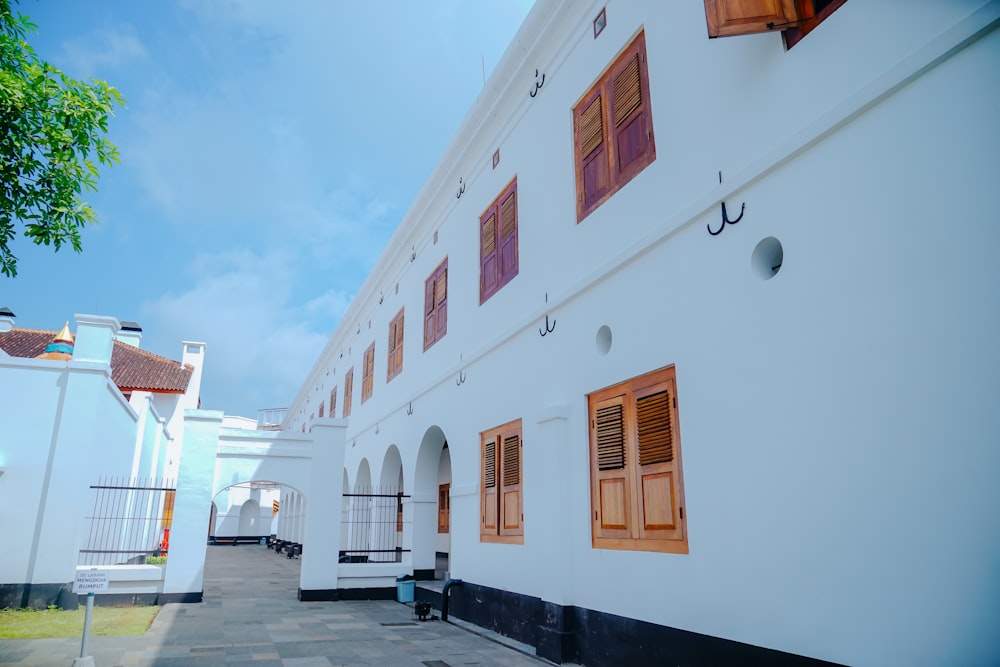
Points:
[(321, 534), (193, 503)]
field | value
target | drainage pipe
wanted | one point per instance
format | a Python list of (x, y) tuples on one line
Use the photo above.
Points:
[(444, 596)]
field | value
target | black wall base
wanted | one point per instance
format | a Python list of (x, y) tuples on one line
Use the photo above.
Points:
[(573, 634), (333, 594)]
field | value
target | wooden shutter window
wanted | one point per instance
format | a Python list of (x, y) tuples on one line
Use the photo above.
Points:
[(653, 425), (321, 408), (613, 129), (637, 500), (610, 429), (395, 347), (436, 305), (333, 403), (502, 513), (498, 243), (348, 391), (727, 18), (591, 128)]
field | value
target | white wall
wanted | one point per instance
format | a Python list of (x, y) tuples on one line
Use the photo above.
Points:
[(835, 420)]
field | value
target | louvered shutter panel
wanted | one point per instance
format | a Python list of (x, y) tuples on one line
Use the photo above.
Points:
[(428, 312), (333, 403), (658, 478), (743, 17), (489, 266), (508, 237), (632, 133), (348, 390), (391, 351), (321, 408), (511, 513), (594, 179), (610, 486), (398, 352), (441, 304), (488, 494)]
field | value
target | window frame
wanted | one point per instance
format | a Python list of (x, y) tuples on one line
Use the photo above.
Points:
[(504, 245), (394, 363), (368, 373), (348, 391), (495, 507), (333, 403), (603, 156), (623, 516), (436, 305)]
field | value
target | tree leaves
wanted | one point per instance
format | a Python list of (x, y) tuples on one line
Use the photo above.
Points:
[(52, 141)]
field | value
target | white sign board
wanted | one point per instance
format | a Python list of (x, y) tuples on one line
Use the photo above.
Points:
[(90, 581)]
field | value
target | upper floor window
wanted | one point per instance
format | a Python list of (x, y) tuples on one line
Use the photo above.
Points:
[(333, 402), (613, 129), (501, 507), (395, 362), (795, 18), (637, 490), (368, 373), (498, 243), (348, 390), (321, 408), (436, 305)]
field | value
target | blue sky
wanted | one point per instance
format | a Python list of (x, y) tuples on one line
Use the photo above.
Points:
[(268, 151)]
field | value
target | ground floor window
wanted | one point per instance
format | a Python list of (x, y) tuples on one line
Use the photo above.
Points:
[(637, 490), (502, 510)]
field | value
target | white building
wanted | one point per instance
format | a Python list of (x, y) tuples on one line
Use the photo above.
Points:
[(668, 438), (93, 430)]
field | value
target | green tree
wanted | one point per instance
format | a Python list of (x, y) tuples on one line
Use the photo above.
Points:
[(52, 138)]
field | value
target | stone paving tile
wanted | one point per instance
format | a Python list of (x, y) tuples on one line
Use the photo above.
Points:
[(250, 617)]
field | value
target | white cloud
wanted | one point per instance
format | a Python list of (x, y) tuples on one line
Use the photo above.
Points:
[(260, 343), (106, 49)]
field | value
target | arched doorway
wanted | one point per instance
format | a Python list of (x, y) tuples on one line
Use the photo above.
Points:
[(431, 550)]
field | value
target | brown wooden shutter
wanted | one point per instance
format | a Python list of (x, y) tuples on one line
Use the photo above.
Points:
[(743, 17), (508, 236), (633, 143), (444, 508), (658, 473), (333, 403), (399, 343), (441, 304), (488, 495), (429, 312), (593, 178), (610, 485), (489, 266), (511, 513), (348, 390), (321, 408)]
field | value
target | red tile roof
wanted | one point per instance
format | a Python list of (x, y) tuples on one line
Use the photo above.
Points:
[(132, 369)]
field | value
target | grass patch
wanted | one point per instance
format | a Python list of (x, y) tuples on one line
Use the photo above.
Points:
[(106, 621)]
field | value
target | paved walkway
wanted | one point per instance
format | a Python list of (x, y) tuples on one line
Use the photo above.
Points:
[(250, 616)]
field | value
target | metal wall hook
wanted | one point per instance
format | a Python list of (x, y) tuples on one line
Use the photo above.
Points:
[(376, 429), (538, 85), (726, 220), (381, 298), (461, 188), (409, 410), (461, 378), (413, 253), (548, 329)]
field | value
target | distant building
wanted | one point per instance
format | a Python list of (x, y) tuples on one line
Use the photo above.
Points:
[(686, 353), (92, 437)]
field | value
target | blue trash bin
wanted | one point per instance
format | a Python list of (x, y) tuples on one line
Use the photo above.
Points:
[(404, 588)]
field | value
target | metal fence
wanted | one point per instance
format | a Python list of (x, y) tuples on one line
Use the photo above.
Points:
[(130, 520), (372, 525)]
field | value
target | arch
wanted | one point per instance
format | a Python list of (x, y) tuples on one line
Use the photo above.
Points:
[(425, 502), (249, 523)]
